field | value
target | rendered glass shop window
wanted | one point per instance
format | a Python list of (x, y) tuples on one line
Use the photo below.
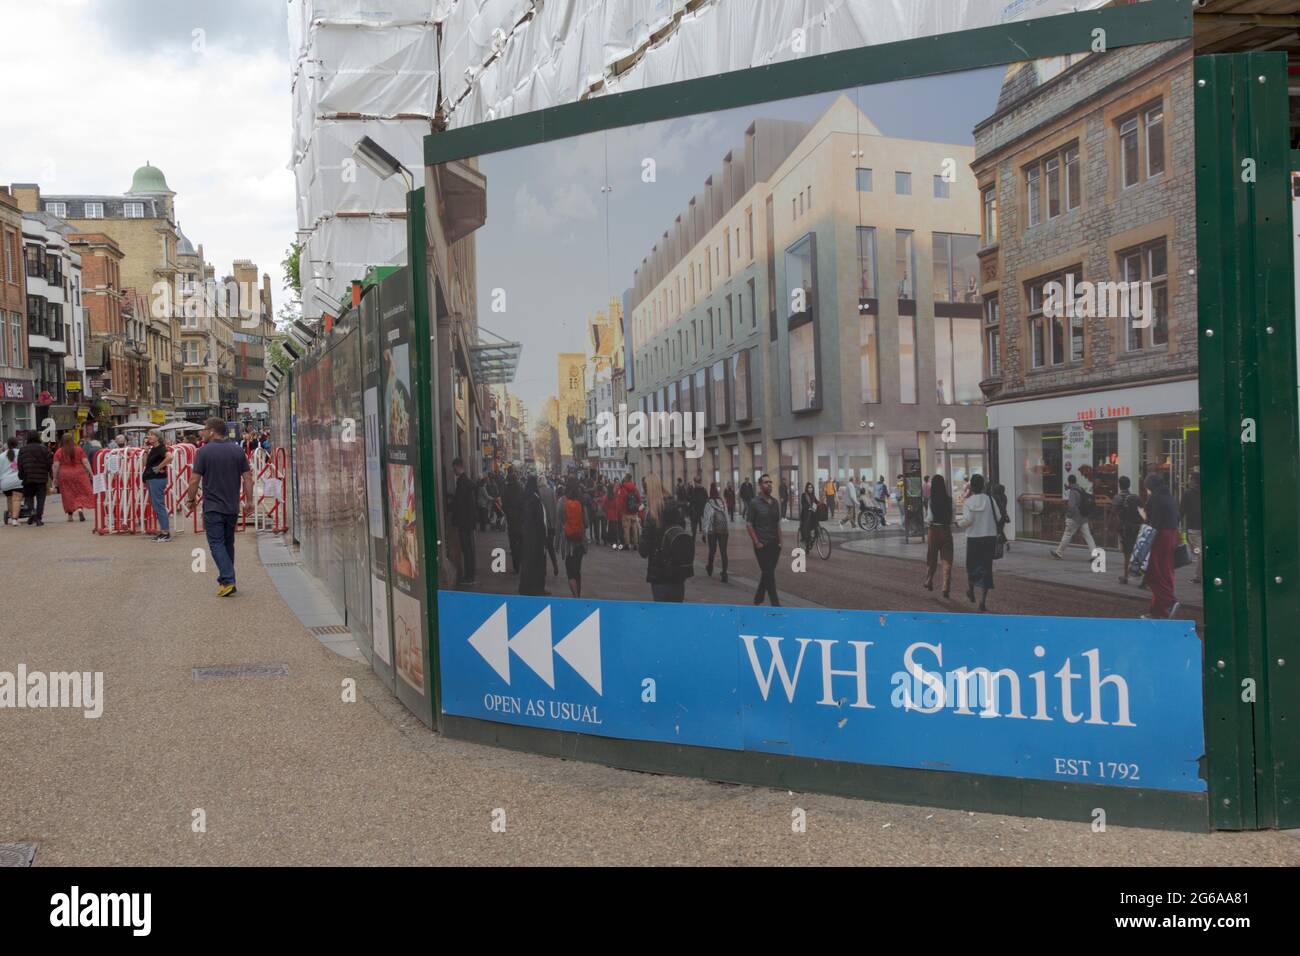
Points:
[(801, 299)]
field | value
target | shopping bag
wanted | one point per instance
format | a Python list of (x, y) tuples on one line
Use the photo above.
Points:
[(1137, 565)]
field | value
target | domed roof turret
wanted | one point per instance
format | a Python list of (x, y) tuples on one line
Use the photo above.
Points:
[(148, 179)]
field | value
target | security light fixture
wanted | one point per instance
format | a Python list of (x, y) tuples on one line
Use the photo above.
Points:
[(380, 161), (295, 352)]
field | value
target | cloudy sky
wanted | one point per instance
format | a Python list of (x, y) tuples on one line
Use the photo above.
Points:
[(92, 89)]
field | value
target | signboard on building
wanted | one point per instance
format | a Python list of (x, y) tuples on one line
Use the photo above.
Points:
[(17, 390)]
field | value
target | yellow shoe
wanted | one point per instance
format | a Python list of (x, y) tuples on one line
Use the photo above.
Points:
[(225, 590)]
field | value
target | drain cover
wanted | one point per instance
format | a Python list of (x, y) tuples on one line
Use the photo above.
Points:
[(281, 564), (17, 854), (331, 629), (241, 670)]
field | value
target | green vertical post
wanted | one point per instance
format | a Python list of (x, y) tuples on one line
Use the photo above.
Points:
[(1249, 438), (1273, 341), (425, 406), (1228, 526)]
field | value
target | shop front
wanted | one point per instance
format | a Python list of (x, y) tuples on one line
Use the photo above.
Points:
[(17, 396), (1099, 437)]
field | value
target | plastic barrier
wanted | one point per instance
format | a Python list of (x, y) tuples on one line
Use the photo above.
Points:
[(121, 499)]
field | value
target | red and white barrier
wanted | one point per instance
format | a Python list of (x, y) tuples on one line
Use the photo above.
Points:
[(122, 500)]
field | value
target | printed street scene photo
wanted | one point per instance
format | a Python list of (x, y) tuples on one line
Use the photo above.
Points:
[(926, 345)]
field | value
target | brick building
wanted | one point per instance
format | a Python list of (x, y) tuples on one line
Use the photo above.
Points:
[(1086, 175), (17, 392)]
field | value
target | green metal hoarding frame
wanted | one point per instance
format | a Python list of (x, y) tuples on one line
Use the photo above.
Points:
[(1244, 548), (423, 419), (1249, 446)]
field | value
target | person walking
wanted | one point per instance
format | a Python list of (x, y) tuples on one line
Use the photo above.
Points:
[(156, 460), (599, 523), (666, 545), (222, 467), (464, 513), (998, 493), (1162, 515), (850, 495), (35, 463), (716, 527), (535, 542), (882, 500), (938, 545), (571, 518), (1189, 514), (614, 518), (763, 523), (785, 497), (729, 496), (832, 493), (513, 505), (746, 496), (981, 519), (1077, 511), (698, 498), (10, 482), (631, 513), (546, 491), (1128, 518), (807, 516), (482, 502)]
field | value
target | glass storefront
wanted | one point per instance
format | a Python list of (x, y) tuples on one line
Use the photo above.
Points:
[(1098, 454)]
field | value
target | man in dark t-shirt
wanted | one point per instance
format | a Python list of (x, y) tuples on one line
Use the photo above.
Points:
[(222, 467), (763, 522)]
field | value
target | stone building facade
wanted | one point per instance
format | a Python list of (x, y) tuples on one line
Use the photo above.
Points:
[(1086, 175)]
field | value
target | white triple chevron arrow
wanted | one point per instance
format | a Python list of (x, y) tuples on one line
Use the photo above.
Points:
[(580, 648)]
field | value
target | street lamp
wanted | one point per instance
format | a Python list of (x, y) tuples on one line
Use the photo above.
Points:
[(380, 161)]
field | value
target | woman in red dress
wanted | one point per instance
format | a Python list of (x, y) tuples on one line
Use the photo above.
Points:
[(72, 473)]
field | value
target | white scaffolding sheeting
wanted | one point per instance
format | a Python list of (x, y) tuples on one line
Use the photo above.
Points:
[(493, 68), (372, 68)]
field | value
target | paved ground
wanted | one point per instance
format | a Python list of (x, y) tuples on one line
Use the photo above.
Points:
[(874, 571), (288, 773)]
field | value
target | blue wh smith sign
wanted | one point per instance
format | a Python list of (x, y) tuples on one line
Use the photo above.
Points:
[(1113, 702)]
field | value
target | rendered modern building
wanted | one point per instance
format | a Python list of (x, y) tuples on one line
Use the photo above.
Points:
[(817, 303)]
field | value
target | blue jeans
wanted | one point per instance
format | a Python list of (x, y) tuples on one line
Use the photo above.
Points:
[(221, 542), (157, 498)]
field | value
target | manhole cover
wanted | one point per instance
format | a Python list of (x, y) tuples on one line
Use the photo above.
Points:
[(82, 560), (331, 629), (241, 670), (17, 854)]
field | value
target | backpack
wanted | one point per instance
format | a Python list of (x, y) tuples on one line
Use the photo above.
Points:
[(676, 554), (1130, 515), (718, 521), (1087, 504), (633, 501), (573, 528)]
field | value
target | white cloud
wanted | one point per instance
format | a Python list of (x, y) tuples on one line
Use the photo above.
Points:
[(569, 203), (81, 114)]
